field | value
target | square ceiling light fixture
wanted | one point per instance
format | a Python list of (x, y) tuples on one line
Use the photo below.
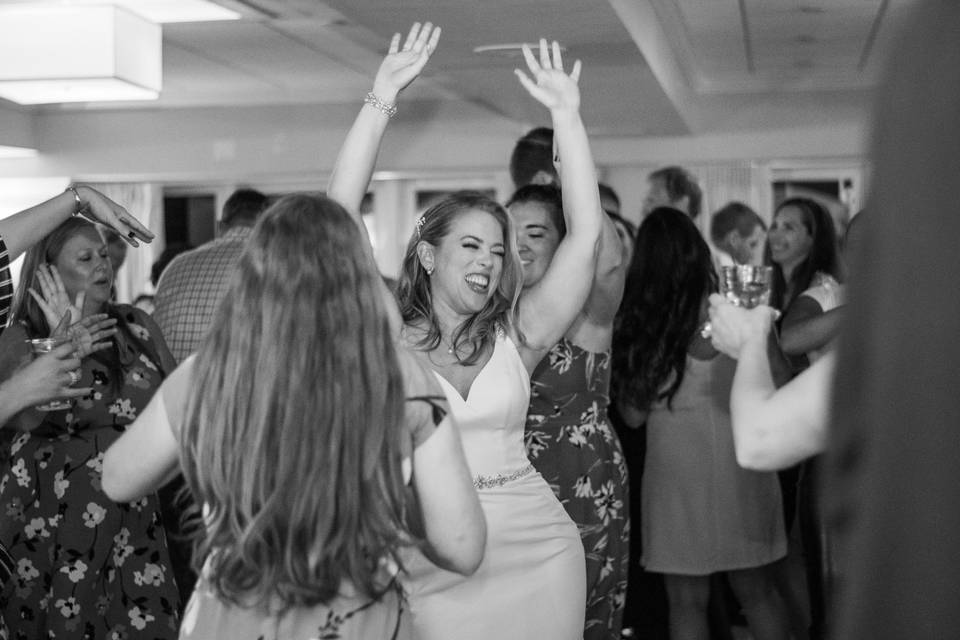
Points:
[(66, 53), (165, 11)]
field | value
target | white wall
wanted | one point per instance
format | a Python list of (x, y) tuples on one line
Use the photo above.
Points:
[(283, 148)]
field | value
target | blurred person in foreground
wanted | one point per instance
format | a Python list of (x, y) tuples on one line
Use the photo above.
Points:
[(889, 417)]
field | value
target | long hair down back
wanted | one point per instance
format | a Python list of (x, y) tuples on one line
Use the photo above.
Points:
[(413, 288), (670, 276), (292, 440)]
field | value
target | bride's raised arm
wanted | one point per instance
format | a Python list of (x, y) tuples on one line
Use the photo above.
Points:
[(358, 155), (547, 309)]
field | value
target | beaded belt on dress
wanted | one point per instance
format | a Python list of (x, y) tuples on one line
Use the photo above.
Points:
[(489, 482)]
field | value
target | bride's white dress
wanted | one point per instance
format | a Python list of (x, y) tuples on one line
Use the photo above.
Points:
[(532, 582)]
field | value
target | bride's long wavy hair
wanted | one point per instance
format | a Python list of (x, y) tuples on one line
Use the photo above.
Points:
[(413, 288), (292, 438)]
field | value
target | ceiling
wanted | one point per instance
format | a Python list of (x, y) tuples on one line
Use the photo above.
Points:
[(651, 67)]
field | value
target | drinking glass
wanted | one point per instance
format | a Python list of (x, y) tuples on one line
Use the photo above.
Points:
[(39, 346), (746, 285)]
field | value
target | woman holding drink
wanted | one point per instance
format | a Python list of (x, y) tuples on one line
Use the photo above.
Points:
[(84, 564)]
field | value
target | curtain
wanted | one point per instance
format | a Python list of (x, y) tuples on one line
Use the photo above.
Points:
[(747, 182), (144, 201)]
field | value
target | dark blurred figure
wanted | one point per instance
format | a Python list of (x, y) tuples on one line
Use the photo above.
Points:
[(893, 473)]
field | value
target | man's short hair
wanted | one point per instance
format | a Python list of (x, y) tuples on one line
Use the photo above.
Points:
[(532, 154), (243, 207), (734, 216), (678, 183)]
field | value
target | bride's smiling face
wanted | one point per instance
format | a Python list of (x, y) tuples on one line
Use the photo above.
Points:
[(468, 262)]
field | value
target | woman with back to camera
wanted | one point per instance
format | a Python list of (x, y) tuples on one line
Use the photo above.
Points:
[(702, 513), (298, 424), (458, 293), (85, 564), (568, 435)]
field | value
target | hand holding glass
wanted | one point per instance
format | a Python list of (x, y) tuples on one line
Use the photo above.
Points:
[(38, 347), (744, 285)]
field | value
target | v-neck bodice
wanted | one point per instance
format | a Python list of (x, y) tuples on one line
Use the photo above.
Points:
[(491, 418)]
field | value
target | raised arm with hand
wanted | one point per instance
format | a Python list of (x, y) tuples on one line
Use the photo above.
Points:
[(548, 308), (22, 230), (772, 428), (358, 155)]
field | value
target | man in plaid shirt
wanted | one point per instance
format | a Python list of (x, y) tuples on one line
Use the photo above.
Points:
[(194, 282)]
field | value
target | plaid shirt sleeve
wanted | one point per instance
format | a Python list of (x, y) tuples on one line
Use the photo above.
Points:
[(6, 285)]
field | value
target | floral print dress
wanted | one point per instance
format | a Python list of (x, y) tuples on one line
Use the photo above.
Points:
[(86, 567), (571, 443)]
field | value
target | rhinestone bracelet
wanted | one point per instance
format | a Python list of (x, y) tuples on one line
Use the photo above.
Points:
[(490, 482), (375, 102), (76, 196)]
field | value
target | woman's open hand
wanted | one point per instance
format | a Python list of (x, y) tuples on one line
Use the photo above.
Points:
[(551, 85), (402, 65), (89, 335), (53, 299)]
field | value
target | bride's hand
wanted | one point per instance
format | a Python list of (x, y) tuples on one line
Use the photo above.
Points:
[(401, 66), (551, 85)]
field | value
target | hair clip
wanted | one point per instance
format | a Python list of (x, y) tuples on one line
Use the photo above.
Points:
[(420, 222)]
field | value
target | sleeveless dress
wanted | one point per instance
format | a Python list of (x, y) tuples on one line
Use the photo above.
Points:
[(531, 583), (701, 512), (349, 616), (571, 443), (85, 565)]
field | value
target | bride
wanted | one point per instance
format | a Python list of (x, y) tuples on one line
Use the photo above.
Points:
[(466, 319)]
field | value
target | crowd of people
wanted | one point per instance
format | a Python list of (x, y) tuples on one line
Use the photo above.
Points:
[(549, 407)]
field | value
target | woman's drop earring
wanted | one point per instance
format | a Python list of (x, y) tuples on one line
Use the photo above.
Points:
[(429, 270)]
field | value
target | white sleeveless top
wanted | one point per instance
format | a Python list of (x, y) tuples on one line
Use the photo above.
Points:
[(490, 420)]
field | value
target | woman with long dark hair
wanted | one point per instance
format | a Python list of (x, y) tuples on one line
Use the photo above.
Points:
[(802, 248), (701, 513)]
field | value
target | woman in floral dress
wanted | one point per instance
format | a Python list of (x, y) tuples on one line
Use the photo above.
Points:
[(85, 566), (568, 436)]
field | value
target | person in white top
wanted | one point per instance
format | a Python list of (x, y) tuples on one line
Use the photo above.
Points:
[(458, 293)]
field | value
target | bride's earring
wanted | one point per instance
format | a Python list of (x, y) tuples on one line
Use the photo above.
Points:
[(429, 270)]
